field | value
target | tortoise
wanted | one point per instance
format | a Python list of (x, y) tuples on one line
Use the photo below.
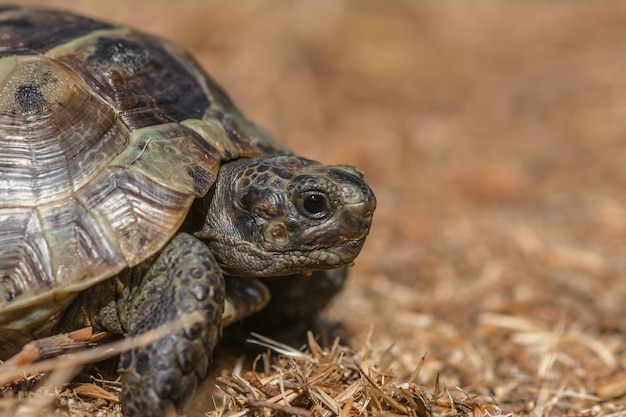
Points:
[(132, 191)]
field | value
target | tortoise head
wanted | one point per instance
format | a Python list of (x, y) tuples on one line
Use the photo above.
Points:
[(280, 215)]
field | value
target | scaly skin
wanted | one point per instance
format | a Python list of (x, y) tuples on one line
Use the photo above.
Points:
[(294, 307), (282, 215), (184, 279), (266, 217), (131, 185)]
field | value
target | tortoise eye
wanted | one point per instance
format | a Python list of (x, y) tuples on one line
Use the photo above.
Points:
[(314, 204)]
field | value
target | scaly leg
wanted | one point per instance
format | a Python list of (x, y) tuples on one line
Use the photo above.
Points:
[(184, 278)]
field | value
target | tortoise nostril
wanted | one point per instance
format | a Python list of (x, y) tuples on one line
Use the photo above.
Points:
[(117, 152)]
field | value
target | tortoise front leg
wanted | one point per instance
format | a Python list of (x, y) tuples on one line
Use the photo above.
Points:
[(184, 278), (294, 306)]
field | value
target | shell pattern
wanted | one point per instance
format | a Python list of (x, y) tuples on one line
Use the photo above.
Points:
[(107, 135)]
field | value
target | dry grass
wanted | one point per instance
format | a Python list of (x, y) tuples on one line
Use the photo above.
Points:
[(494, 135), (337, 382)]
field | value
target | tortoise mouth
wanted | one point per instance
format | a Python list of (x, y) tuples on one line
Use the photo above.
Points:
[(247, 259), (322, 258), (349, 250)]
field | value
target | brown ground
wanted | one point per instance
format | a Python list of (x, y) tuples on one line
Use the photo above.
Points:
[(494, 136)]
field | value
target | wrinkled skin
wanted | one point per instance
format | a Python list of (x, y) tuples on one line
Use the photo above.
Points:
[(133, 191), (287, 215), (265, 217), (293, 310)]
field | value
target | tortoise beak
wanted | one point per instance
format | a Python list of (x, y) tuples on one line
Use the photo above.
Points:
[(359, 202)]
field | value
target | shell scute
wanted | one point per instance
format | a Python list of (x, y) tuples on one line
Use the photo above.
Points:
[(135, 73), (137, 213), (23, 255), (80, 247), (25, 32), (107, 135), (57, 143), (166, 154), (122, 54)]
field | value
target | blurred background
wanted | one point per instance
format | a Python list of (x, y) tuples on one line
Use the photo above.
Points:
[(494, 136)]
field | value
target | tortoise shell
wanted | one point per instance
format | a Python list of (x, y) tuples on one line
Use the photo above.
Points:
[(107, 135)]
